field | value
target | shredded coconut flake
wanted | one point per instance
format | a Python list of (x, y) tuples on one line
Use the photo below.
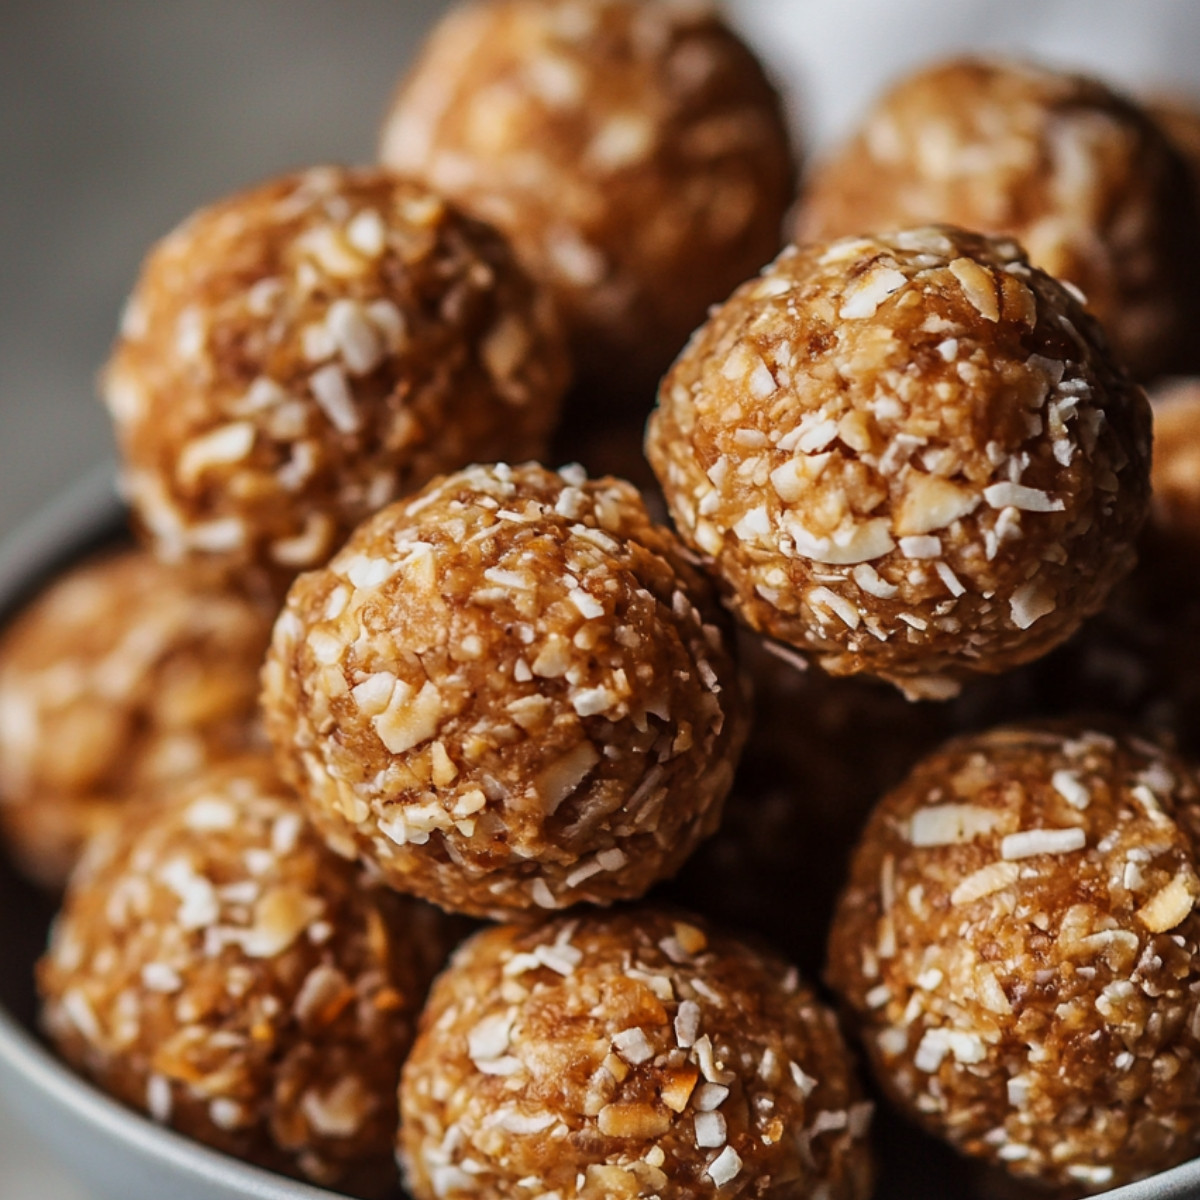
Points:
[(1017, 495), (1069, 787), (838, 605), (992, 878), (1030, 603), (802, 1079), (1031, 842), (687, 1023), (332, 393), (869, 291), (951, 824), (872, 582)]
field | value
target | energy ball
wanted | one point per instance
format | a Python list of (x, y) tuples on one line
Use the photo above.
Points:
[(298, 355), (907, 455), (216, 967), (1082, 177), (635, 153), (123, 674), (507, 693), (1018, 943), (623, 1056)]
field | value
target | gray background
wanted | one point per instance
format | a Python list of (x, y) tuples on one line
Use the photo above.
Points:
[(118, 117)]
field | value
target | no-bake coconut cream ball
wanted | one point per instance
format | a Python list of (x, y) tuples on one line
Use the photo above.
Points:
[(635, 154), (123, 674), (509, 692), (1018, 946), (907, 455), (297, 355), (216, 967), (1082, 177), (628, 1055)]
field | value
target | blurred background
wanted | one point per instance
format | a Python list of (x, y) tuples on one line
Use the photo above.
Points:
[(116, 120)]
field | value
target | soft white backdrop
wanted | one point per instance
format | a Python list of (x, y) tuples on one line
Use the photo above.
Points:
[(116, 120), (834, 55)]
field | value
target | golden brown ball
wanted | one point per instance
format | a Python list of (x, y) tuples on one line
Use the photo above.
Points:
[(297, 355), (908, 455), (122, 675), (217, 968), (615, 1056), (635, 153), (509, 692), (1018, 945), (1081, 176)]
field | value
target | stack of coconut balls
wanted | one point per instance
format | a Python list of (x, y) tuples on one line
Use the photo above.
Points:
[(908, 457)]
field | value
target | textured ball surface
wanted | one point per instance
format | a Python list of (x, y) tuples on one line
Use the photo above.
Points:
[(1140, 658), (1018, 944), (635, 154), (297, 355), (1082, 177), (508, 693), (628, 1055), (217, 968), (907, 455), (122, 675)]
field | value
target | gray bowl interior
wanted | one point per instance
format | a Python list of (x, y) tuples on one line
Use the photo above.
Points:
[(123, 1156)]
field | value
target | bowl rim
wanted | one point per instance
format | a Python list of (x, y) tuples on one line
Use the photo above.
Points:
[(49, 539), (38, 1069), (52, 537)]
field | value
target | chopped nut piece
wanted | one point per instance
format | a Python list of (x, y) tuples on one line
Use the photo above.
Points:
[(632, 1121), (1169, 906), (677, 1088)]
